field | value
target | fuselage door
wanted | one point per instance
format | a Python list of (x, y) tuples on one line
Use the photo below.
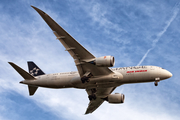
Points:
[(152, 68)]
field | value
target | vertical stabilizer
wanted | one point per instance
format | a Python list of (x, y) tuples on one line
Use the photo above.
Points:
[(34, 70)]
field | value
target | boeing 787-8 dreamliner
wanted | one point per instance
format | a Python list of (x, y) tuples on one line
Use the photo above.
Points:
[(94, 74)]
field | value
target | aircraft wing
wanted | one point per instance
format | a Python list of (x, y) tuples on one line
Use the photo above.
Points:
[(93, 105), (76, 50), (100, 94)]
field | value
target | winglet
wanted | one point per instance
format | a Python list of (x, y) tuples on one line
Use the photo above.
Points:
[(38, 10), (52, 24)]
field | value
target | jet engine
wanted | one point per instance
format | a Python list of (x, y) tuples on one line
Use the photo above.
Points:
[(115, 98), (105, 61)]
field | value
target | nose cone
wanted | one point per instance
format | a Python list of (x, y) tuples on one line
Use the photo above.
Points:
[(169, 74), (165, 74)]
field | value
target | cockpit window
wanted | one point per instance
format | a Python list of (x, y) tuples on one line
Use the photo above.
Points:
[(161, 67)]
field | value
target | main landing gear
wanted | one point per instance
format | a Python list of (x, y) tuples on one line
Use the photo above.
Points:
[(85, 77), (93, 95)]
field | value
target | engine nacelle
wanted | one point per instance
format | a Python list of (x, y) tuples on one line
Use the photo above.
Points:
[(105, 61), (115, 98)]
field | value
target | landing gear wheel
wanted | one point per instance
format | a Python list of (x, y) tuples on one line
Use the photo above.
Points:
[(156, 83), (92, 97), (84, 79)]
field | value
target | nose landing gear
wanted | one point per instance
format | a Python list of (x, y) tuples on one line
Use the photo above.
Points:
[(156, 81)]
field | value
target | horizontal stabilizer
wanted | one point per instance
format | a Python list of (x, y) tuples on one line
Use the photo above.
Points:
[(32, 90), (22, 72)]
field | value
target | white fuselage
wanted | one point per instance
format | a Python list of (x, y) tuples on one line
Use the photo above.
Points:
[(135, 74)]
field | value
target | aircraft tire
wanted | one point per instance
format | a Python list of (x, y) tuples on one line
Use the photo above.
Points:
[(92, 97), (156, 83)]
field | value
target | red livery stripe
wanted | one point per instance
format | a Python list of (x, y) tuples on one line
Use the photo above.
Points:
[(130, 71), (136, 71), (141, 71)]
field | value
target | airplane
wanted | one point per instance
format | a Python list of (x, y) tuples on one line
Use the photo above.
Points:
[(93, 75)]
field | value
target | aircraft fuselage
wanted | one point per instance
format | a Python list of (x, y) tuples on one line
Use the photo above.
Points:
[(136, 74)]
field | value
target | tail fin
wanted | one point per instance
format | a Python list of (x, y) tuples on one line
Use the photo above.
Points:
[(34, 70)]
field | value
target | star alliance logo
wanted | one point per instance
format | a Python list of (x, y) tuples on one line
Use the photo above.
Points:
[(34, 71)]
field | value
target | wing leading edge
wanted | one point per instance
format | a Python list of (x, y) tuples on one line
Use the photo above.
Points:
[(76, 50), (80, 56)]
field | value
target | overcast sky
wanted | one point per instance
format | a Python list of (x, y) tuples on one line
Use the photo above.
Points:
[(135, 32)]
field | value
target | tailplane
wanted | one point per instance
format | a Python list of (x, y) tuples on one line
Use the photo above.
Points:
[(22, 72), (34, 70), (32, 90)]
